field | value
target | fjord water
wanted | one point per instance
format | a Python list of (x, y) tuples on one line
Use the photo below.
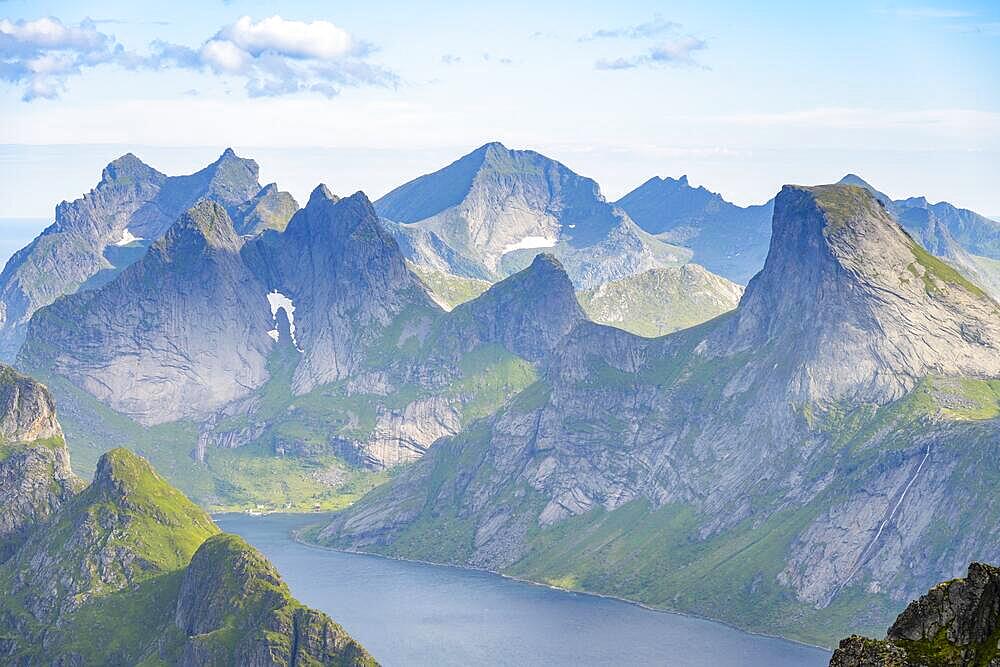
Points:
[(409, 613)]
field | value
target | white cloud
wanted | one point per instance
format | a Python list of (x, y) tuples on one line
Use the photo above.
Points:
[(225, 57), (280, 57), (676, 52), (652, 28), (43, 53), (321, 40)]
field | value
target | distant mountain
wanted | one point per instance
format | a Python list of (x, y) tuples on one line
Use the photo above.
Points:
[(95, 237), (726, 239), (315, 344), (965, 239), (779, 467), (128, 570), (177, 334), (955, 623), (732, 241), (489, 213), (659, 301)]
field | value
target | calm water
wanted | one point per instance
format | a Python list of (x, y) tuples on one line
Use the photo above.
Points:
[(417, 614)]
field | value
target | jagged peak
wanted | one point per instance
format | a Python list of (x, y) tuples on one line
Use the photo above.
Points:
[(207, 221), (321, 193), (544, 277), (229, 161)]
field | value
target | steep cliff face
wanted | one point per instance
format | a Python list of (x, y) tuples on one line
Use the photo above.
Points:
[(346, 278), (95, 237), (862, 312), (821, 431), (177, 334), (35, 474), (955, 623), (489, 213), (130, 571)]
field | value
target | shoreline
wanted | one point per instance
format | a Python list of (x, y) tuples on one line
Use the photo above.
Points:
[(294, 534)]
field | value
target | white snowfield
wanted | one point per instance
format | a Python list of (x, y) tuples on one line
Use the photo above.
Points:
[(277, 301), (127, 238), (529, 242)]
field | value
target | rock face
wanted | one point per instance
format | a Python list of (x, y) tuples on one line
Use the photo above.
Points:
[(529, 313), (489, 213), (346, 278), (35, 474), (180, 332), (955, 623), (130, 571), (96, 237), (842, 419), (871, 312), (659, 301), (726, 239)]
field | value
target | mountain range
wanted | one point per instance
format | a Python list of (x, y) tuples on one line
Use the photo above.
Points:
[(95, 237), (799, 457), (128, 570), (842, 419)]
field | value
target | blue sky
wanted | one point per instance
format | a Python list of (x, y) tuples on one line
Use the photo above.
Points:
[(742, 98)]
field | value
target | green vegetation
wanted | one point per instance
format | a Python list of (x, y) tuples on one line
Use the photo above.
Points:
[(842, 203), (653, 555), (936, 271), (450, 290), (132, 572), (491, 376)]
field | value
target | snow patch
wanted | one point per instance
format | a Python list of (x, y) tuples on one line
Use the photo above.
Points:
[(127, 237), (279, 301), (529, 242)]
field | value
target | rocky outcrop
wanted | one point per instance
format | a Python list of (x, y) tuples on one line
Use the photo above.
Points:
[(97, 236), (489, 213), (35, 474), (955, 623)]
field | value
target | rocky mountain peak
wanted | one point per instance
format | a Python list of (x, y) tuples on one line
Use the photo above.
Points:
[(121, 473), (321, 193), (854, 179), (205, 224), (529, 312), (130, 167), (864, 308)]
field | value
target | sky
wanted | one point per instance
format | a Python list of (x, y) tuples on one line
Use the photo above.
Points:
[(741, 97)]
